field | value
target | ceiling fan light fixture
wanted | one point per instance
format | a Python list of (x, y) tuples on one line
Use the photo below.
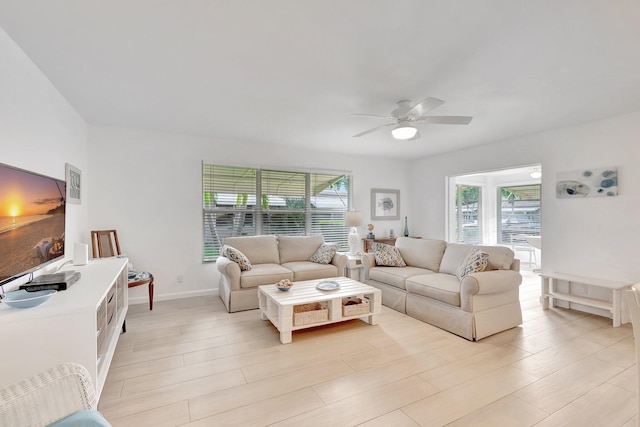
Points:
[(404, 131)]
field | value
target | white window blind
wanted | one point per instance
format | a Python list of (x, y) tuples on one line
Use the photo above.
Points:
[(229, 202), (518, 212), (468, 214), (284, 202), (329, 202), (241, 201)]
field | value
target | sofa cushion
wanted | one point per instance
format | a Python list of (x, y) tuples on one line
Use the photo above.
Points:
[(476, 261), (306, 270), (387, 255), (500, 257), (236, 256), (259, 249), (454, 255), (264, 274), (298, 248), (325, 253), (438, 286), (395, 276), (424, 253)]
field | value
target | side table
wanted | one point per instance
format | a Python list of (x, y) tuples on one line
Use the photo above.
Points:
[(354, 267), (386, 240)]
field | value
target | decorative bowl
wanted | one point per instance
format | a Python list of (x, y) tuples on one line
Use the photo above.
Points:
[(284, 285), (328, 285), (24, 299)]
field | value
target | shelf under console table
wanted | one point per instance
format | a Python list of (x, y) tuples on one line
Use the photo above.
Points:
[(549, 293), (81, 324)]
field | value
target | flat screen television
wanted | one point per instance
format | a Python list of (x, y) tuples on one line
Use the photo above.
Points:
[(32, 221)]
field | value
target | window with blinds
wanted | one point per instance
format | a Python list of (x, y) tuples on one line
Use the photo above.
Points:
[(284, 202), (241, 201), (468, 214), (518, 212)]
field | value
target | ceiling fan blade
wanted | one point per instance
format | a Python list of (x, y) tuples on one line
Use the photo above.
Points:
[(425, 106), (446, 120), (373, 130), (371, 115)]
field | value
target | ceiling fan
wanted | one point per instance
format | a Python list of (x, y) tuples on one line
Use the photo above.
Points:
[(405, 116)]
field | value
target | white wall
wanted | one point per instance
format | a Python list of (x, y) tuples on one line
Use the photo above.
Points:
[(39, 130), (592, 236), (148, 186)]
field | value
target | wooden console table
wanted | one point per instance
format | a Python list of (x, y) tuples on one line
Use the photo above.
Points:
[(386, 240), (549, 293)]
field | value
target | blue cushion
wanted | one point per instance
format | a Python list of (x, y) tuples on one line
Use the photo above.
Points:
[(85, 418), (136, 276)]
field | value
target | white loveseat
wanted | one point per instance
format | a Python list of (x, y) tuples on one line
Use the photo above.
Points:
[(272, 259), (479, 305)]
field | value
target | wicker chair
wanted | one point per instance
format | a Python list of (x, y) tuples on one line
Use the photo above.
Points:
[(47, 397)]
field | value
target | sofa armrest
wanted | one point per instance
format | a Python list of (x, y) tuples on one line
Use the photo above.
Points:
[(340, 261), (229, 271), (487, 282), (369, 261)]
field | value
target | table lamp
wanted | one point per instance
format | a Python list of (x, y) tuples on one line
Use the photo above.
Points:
[(353, 219)]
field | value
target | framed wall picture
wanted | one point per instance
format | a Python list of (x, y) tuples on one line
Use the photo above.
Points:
[(385, 204), (73, 178)]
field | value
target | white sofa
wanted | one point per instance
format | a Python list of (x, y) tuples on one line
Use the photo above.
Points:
[(272, 258), (479, 305)]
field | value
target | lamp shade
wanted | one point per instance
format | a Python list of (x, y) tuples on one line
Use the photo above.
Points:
[(353, 219)]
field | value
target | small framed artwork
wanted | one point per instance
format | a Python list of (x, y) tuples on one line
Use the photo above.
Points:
[(385, 204), (73, 177), (598, 182)]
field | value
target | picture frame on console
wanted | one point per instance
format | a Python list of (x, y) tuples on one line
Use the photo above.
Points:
[(385, 204), (73, 178)]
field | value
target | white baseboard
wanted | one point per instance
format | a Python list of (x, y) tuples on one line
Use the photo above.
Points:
[(176, 295)]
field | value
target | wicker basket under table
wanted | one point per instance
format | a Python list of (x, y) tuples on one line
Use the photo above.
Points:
[(307, 314)]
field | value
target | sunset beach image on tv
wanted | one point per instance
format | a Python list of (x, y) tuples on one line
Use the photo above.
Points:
[(32, 220)]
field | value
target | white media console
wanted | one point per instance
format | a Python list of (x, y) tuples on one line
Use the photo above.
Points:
[(81, 324)]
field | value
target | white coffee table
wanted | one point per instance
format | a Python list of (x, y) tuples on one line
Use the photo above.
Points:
[(277, 306)]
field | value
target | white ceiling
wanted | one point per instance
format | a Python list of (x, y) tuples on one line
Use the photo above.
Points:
[(291, 72)]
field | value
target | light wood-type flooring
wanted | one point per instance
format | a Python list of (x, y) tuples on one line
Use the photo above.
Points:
[(189, 362)]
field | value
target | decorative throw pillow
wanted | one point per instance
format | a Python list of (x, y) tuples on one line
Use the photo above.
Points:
[(236, 256), (387, 255), (474, 262), (324, 254)]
